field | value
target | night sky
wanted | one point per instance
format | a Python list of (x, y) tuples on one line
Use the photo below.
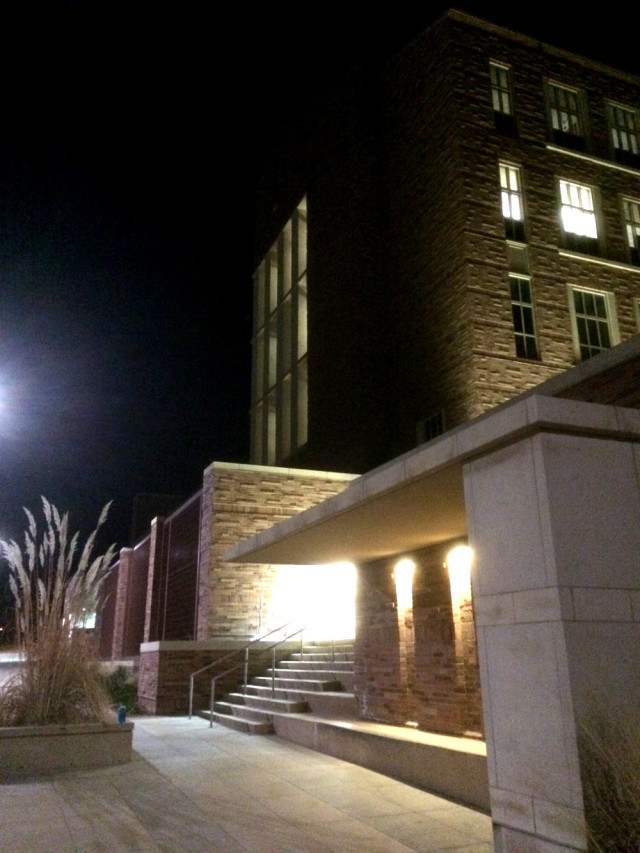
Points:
[(131, 137)]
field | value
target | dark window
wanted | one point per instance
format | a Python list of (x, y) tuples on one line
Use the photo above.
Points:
[(592, 322), (523, 320), (502, 98), (430, 427), (625, 135), (566, 122), (631, 211)]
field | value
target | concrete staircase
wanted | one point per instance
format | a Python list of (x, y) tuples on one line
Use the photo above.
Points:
[(318, 680), (313, 705)]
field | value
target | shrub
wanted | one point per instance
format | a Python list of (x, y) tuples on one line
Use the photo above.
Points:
[(53, 591), (610, 764), (122, 690)]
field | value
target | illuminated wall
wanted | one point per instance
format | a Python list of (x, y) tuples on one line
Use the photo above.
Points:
[(415, 657)]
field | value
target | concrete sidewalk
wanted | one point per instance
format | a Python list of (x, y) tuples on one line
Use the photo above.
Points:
[(201, 790)]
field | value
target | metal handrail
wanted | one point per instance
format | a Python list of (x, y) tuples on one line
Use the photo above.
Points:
[(244, 649), (272, 648)]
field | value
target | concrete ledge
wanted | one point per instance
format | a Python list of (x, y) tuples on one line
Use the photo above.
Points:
[(30, 751), (449, 766)]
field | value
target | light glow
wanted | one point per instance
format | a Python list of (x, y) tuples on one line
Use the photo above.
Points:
[(321, 598), (403, 575), (459, 565)]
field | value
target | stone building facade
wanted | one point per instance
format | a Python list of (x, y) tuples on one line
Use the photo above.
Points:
[(434, 238), (472, 222)]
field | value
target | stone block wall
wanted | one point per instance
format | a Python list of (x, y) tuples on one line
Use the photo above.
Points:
[(419, 666), (408, 296), (239, 500)]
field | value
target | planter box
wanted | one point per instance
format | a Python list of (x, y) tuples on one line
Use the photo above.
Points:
[(27, 751)]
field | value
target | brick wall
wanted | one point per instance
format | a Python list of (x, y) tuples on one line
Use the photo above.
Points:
[(239, 500), (164, 674), (420, 666)]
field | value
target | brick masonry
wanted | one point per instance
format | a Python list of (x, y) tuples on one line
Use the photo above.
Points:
[(419, 666)]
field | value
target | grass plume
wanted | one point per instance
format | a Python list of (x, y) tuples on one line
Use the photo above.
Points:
[(54, 586)]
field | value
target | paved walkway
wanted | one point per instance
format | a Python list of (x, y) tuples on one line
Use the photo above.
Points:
[(192, 789)]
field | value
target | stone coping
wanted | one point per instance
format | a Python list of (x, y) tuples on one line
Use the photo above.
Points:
[(33, 752), (231, 643), (57, 729)]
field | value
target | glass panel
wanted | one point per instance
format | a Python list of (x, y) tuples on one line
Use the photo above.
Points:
[(258, 360), (302, 321), (302, 390), (271, 428), (259, 284), (273, 354), (286, 418), (273, 279), (286, 259), (286, 355)]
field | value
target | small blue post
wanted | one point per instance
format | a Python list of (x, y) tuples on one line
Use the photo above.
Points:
[(122, 714)]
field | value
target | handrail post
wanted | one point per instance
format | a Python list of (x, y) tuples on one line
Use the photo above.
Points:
[(273, 672), (190, 696), (333, 649), (246, 669), (212, 701), (301, 646)]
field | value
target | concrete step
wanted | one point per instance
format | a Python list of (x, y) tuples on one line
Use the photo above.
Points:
[(320, 665), (326, 703), (323, 656), (288, 681), (243, 712), (239, 724), (338, 679), (264, 701)]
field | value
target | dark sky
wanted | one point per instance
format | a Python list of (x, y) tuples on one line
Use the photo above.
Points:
[(131, 135)]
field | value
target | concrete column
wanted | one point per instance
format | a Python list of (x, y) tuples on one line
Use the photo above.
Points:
[(554, 521), (120, 604)]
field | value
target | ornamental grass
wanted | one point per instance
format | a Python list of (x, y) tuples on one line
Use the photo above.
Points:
[(55, 586), (610, 769)]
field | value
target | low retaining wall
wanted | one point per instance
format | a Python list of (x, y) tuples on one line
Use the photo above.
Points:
[(28, 751), (451, 767)]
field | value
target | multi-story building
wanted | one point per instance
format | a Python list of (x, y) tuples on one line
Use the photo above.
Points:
[(435, 238), (438, 236)]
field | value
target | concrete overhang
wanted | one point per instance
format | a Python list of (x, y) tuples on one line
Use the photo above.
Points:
[(418, 499)]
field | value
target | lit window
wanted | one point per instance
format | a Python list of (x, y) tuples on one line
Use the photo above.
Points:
[(279, 394), (523, 320), (578, 215), (564, 113), (511, 201), (502, 96), (593, 321), (625, 134), (631, 212)]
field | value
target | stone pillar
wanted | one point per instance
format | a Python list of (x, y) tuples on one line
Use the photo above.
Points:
[(154, 610), (120, 604), (554, 521)]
